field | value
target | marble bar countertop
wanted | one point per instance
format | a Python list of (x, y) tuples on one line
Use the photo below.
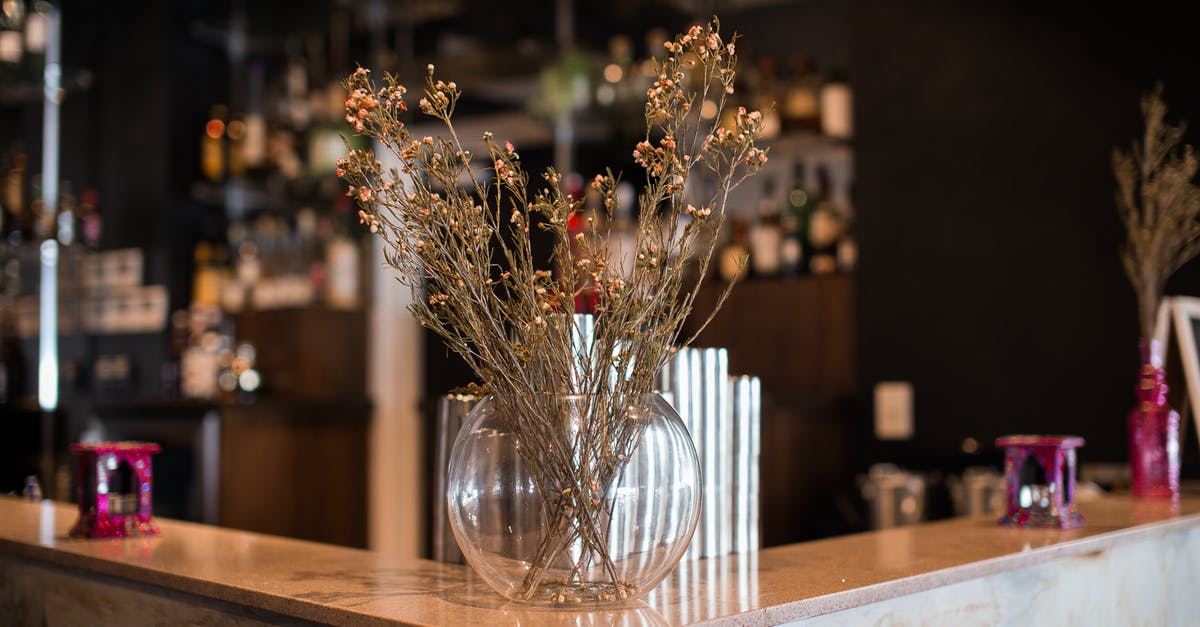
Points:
[(332, 584)]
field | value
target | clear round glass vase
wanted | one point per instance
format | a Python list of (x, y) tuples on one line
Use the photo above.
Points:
[(596, 506)]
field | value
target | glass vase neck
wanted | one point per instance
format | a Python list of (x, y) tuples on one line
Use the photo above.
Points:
[(1152, 386), (1152, 352)]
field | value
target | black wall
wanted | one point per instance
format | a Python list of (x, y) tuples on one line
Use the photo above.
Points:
[(989, 272)]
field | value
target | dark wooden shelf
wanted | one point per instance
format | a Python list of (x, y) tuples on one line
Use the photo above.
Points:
[(308, 354), (313, 467), (29, 92), (796, 334)]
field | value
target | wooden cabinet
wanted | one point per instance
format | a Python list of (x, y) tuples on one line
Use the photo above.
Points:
[(797, 335), (294, 462), (296, 469), (309, 353)]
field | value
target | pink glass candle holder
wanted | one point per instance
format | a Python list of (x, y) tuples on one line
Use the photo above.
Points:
[(1039, 478), (113, 487)]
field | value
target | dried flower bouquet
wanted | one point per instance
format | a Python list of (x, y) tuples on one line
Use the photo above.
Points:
[(467, 255), (1160, 206)]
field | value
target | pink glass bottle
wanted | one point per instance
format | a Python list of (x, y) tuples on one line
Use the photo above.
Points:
[(1153, 431)]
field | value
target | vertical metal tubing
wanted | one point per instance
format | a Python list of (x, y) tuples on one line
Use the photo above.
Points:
[(746, 402), (452, 410), (719, 380), (48, 314), (48, 330)]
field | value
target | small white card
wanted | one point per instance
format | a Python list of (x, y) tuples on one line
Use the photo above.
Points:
[(893, 410)]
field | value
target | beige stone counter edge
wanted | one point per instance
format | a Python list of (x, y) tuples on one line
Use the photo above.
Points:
[(873, 593), (282, 604), (790, 571)]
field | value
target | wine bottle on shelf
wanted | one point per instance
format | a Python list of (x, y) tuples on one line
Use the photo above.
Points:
[(837, 107), (212, 144), (12, 35), (206, 284), (766, 235), (733, 258), (222, 272), (66, 219), (847, 253), (342, 263), (801, 107), (824, 230), (264, 294), (244, 268), (43, 217), (254, 144), (236, 132), (341, 260), (801, 203), (14, 200), (36, 20), (90, 225), (299, 111), (791, 250), (622, 233), (35, 28), (767, 96)]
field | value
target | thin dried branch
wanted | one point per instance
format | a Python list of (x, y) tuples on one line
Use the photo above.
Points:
[(467, 255)]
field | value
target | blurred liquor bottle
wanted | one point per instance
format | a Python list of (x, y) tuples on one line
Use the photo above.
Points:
[(847, 253), (90, 223), (212, 144), (206, 278), (767, 96), (824, 229), (837, 107), (12, 35), (342, 263), (733, 258), (43, 216), (34, 56), (766, 235), (801, 204), (16, 223), (65, 224), (622, 232), (801, 101), (36, 21), (791, 250)]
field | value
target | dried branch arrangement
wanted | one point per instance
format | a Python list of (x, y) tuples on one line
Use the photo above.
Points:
[(466, 253), (1160, 206)]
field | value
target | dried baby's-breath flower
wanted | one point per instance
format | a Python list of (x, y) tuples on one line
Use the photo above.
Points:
[(507, 310)]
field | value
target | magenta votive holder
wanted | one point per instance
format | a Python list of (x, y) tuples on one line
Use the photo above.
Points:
[(113, 487), (1039, 480)]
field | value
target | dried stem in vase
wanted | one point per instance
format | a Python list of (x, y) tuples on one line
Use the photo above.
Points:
[(1160, 206), (466, 252)]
